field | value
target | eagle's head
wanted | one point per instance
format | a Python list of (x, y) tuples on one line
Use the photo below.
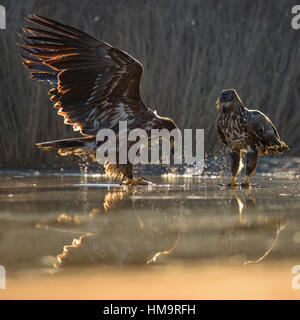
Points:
[(229, 101)]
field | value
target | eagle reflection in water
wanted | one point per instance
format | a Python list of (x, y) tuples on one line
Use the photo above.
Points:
[(131, 229), (113, 237), (253, 237)]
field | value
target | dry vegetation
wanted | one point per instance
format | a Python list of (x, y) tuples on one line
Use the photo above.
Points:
[(190, 50)]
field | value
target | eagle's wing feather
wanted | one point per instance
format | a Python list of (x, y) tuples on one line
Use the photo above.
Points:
[(96, 85), (262, 128), (220, 133)]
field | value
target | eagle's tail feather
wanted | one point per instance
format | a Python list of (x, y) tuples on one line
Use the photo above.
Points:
[(77, 146)]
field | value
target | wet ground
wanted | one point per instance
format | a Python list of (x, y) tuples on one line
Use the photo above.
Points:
[(79, 237)]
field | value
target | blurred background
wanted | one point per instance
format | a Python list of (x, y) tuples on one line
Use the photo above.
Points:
[(190, 50)]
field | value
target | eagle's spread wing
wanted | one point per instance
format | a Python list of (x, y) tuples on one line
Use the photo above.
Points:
[(95, 84), (263, 129)]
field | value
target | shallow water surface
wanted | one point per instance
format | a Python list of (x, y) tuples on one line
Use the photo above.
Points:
[(183, 237)]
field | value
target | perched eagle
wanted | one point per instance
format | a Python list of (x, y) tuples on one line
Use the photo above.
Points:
[(244, 130), (94, 87)]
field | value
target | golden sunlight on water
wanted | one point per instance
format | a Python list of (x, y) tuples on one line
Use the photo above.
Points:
[(199, 281), (72, 237)]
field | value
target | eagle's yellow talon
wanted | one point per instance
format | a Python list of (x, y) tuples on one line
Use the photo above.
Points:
[(135, 182), (127, 182), (246, 183), (233, 182), (142, 181)]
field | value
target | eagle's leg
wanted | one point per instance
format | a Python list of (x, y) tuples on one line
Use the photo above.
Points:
[(115, 171), (251, 163), (235, 160)]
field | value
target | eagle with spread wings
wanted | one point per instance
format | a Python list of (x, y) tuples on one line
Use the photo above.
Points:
[(244, 130), (94, 87)]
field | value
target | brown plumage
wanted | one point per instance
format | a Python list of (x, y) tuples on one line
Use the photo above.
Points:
[(94, 86), (244, 130)]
